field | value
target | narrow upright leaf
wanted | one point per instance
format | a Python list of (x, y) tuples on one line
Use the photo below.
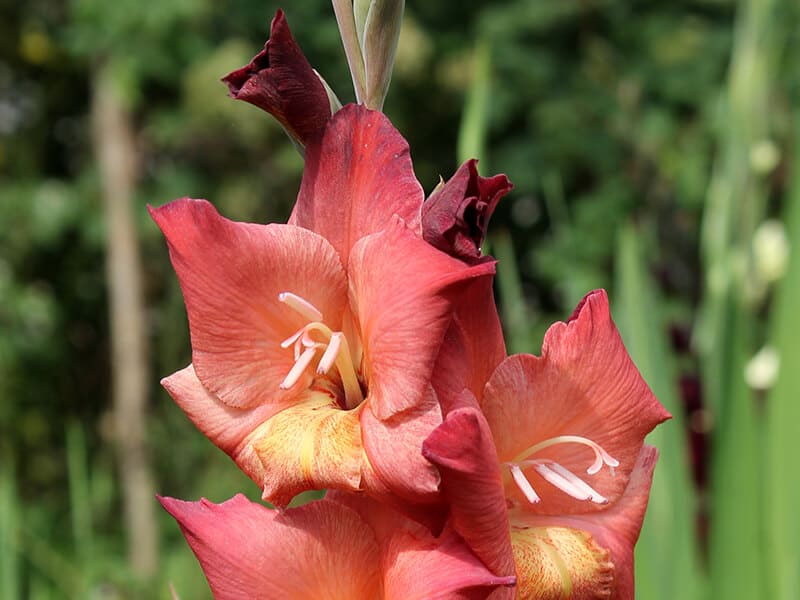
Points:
[(667, 556)]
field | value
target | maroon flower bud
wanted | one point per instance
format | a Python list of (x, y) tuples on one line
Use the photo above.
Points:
[(281, 81), (456, 215)]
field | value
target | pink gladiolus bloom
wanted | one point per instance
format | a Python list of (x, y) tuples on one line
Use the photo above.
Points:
[(353, 550), (314, 343), (280, 81), (549, 476)]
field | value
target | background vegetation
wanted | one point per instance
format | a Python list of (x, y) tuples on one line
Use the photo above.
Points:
[(653, 145)]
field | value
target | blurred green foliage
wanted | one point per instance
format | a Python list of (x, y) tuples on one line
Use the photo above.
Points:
[(618, 121)]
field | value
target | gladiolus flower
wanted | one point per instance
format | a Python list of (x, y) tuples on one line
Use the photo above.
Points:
[(313, 343), (554, 457), (349, 550)]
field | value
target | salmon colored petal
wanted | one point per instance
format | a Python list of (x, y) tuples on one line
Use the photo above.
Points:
[(392, 447), (584, 384), (429, 515), (463, 450), (590, 554), (473, 346), (418, 564), (456, 215), (355, 179), (249, 551), (280, 81), (421, 567), (231, 275), (310, 445), (227, 427), (402, 293)]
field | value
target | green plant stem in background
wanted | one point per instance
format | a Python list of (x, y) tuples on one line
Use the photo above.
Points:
[(727, 337), (9, 518), (783, 417), (475, 116), (736, 548), (518, 322), (80, 499), (667, 555)]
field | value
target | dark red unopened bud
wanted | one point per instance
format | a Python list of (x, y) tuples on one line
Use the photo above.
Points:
[(456, 215), (281, 81)]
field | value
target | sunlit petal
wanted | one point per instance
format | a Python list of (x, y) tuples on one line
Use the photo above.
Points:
[(463, 450), (584, 384), (249, 551), (231, 275), (355, 179), (403, 292)]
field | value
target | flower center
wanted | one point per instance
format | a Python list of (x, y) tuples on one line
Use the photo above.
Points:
[(317, 338), (558, 475)]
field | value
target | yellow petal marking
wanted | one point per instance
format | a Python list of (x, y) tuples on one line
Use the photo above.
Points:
[(311, 445), (559, 563)]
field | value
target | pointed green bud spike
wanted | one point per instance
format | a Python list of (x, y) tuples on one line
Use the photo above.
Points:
[(360, 11), (352, 46), (381, 32)]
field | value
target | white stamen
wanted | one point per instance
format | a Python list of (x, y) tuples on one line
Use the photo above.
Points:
[(314, 336), (523, 484), (600, 455), (297, 369), (300, 305), (330, 354), (561, 482), (579, 483), (558, 475), (596, 465), (292, 339)]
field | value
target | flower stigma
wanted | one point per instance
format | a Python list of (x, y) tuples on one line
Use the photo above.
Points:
[(558, 475), (314, 338)]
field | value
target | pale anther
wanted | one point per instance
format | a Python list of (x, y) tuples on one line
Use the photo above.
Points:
[(561, 482), (291, 339), (523, 484), (301, 305), (556, 474), (297, 369), (573, 482), (331, 352)]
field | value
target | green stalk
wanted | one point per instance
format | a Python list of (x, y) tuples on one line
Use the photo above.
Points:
[(474, 121), (514, 310), (727, 333), (783, 417), (80, 499), (352, 47), (667, 557), (9, 517)]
